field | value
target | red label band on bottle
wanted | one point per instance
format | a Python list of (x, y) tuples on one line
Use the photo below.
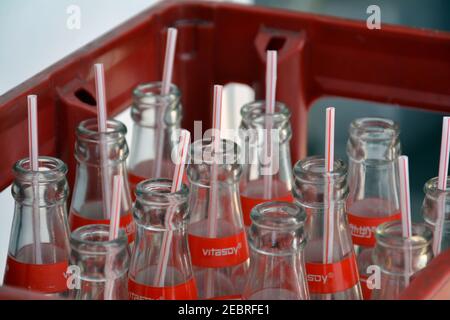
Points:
[(218, 252), (366, 291), (231, 297), (126, 222), (184, 291), (332, 277), (45, 278), (363, 228), (248, 204)]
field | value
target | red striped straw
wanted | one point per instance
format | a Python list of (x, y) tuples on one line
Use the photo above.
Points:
[(405, 200), (405, 207), (169, 60), (114, 226), (102, 128), (182, 152), (329, 167), (442, 185), (33, 147), (271, 84)]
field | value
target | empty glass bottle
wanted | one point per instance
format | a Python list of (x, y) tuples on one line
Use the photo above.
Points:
[(38, 261), (155, 119), (88, 205), (435, 202), (277, 264), (217, 239), (161, 266), (255, 188), (373, 149), (399, 258), (331, 276), (102, 264)]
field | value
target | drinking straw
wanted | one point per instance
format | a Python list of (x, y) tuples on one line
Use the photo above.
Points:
[(114, 225), (33, 149), (168, 60), (329, 167), (182, 153), (102, 128), (442, 185), (405, 206), (213, 209), (271, 83)]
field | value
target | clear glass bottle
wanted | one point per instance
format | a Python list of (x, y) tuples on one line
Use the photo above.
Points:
[(253, 128), (38, 261), (338, 279), (155, 120), (217, 239), (399, 258), (103, 263), (372, 149), (161, 240), (431, 208), (277, 264), (87, 200)]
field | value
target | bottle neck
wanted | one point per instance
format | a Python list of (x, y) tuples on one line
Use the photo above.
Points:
[(152, 109), (102, 262), (398, 256), (46, 187), (436, 201)]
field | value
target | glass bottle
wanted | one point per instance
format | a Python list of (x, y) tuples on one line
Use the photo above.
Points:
[(155, 120), (217, 239), (277, 264), (373, 149), (334, 278), (161, 266), (399, 258), (253, 186), (87, 200), (37, 261), (432, 207), (102, 263)]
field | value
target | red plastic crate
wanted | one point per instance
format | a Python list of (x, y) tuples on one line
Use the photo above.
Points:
[(219, 43)]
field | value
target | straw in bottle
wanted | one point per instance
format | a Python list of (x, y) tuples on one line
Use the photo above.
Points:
[(328, 194), (442, 185), (182, 153), (102, 128), (271, 82), (114, 226), (34, 164), (405, 207)]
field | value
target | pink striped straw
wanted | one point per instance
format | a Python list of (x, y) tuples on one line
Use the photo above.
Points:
[(405, 200), (405, 207), (102, 128), (169, 60), (114, 226), (182, 153), (33, 149), (329, 166), (271, 83), (442, 185)]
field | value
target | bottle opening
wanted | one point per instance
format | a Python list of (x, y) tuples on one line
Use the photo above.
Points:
[(278, 215), (150, 94), (159, 191), (389, 234), (374, 129), (313, 169), (94, 239), (49, 169), (88, 129), (255, 113)]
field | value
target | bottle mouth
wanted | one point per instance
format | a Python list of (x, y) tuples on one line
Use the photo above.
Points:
[(150, 94), (159, 192), (374, 129), (88, 130), (255, 113), (202, 152), (94, 239), (278, 215), (313, 170), (50, 169), (389, 234), (431, 188)]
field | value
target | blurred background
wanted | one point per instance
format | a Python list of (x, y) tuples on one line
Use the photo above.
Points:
[(34, 35)]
